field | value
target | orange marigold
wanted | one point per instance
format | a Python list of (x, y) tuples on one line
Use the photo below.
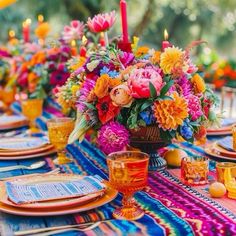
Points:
[(155, 59), (141, 51), (171, 113), (198, 84)]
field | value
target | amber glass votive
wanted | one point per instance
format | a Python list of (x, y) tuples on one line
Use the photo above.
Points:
[(234, 136), (194, 170), (225, 171), (32, 109)]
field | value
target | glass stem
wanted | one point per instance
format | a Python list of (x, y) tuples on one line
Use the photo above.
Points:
[(128, 201), (32, 124), (62, 158)]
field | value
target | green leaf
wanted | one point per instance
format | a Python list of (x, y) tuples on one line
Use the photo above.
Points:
[(165, 98), (166, 88), (145, 105), (153, 91)]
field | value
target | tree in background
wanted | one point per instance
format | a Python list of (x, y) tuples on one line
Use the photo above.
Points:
[(211, 20)]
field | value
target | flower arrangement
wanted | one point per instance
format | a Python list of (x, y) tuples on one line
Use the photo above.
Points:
[(217, 70), (123, 91), (221, 73), (40, 69)]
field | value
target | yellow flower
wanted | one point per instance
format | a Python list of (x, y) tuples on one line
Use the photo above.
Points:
[(78, 64), (134, 45), (102, 86), (74, 89), (171, 113), (171, 58), (198, 84), (141, 51), (42, 30)]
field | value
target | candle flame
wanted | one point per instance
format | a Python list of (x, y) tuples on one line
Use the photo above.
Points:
[(166, 34), (12, 34), (84, 40), (73, 43), (28, 21), (40, 18)]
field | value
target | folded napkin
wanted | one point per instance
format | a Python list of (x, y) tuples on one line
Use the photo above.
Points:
[(228, 121), (226, 143), (20, 193)]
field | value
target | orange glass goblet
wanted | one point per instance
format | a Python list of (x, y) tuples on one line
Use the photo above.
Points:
[(59, 130), (32, 109), (8, 97), (128, 172)]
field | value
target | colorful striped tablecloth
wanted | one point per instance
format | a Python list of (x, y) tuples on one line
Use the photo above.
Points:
[(171, 208)]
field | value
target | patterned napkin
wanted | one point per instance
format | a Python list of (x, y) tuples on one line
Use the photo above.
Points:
[(226, 143), (20, 193)]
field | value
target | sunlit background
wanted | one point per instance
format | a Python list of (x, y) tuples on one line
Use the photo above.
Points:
[(211, 20)]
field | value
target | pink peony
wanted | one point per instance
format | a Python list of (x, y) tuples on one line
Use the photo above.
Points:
[(139, 80), (101, 22), (73, 31), (113, 137), (194, 107)]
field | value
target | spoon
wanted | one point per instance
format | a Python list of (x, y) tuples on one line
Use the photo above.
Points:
[(33, 166)]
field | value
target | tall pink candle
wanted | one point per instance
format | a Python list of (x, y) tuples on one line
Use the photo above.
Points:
[(26, 30), (123, 12), (166, 43)]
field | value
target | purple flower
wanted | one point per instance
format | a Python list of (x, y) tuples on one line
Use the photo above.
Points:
[(113, 137), (185, 85), (85, 90), (126, 58)]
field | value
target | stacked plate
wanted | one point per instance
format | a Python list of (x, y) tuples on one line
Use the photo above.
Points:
[(12, 122), (225, 129), (222, 149), (24, 148), (57, 206)]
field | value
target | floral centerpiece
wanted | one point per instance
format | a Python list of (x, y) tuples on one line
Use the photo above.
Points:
[(121, 92)]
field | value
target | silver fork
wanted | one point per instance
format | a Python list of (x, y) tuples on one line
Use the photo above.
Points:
[(56, 230)]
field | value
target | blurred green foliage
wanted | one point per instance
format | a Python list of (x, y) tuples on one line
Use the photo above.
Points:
[(185, 20)]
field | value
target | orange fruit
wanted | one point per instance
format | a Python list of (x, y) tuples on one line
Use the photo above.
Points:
[(217, 190), (173, 157)]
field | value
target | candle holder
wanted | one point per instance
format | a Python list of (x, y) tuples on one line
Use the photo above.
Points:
[(222, 168), (125, 47), (194, 171)]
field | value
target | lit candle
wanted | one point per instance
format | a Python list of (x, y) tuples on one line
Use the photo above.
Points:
[(11, 34), (123, 12), (40, 19), (165, 43), (26, 30)]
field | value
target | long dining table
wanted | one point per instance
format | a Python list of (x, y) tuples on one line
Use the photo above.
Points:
[(171, 207)]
